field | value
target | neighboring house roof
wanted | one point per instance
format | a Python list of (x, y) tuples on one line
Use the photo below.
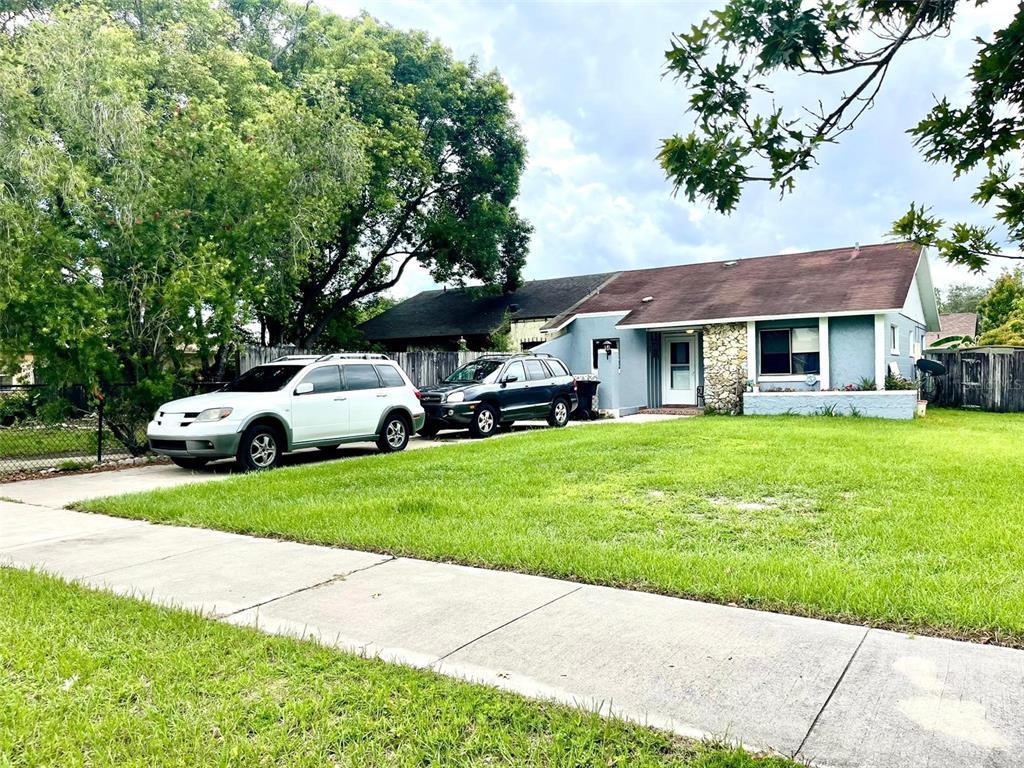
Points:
[(956, 324), (871, 278), (464, 312)]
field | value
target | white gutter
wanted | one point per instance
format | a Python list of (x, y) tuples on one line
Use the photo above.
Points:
[(755, 318)]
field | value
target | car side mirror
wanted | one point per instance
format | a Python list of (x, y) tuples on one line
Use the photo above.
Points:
[(304, 388), (510, 379)]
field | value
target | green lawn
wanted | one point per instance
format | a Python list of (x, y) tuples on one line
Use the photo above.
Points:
[(913, 524), (28, 441), (89, 679)]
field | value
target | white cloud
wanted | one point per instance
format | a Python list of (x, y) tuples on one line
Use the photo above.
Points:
[(593, 105)]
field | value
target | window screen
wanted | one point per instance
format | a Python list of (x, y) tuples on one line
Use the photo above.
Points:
[(326, 379), (806, 358), (790, 351), (390, 376), (775, 352), (361, 377)]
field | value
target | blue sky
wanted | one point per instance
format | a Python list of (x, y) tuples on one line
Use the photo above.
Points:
[(593, 104)]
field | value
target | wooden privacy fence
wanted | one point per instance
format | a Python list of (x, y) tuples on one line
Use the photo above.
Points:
[(986, 378), (423, 368)]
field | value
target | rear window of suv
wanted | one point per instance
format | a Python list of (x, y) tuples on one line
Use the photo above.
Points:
[(390, 376), (557, 367), (360, 377), (535, 370)]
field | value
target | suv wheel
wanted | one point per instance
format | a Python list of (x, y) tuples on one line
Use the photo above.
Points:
[(259, 448), (559, 415), (189, 462), (394, 435), (485, 421)]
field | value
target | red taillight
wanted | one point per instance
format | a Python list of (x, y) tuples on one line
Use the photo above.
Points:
[(419, 395)]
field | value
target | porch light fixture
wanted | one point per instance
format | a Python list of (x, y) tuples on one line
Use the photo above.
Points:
[(607, 349)]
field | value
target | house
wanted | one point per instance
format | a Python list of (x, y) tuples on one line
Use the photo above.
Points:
[(957, 324), (448, 319), (802, 323), (23, 374)]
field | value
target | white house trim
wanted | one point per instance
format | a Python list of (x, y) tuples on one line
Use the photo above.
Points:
[(753, 318), (880, 347), (616, 313), (752, 351), (922, 283), (823, 362)]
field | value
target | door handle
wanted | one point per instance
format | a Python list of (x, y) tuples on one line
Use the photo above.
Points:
[(382, 395), (339, 399)]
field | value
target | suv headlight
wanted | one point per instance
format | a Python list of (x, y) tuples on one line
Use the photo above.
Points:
[(214, 414), (455, 397)]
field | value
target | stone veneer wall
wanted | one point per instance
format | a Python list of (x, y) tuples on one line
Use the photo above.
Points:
[(725, 366)]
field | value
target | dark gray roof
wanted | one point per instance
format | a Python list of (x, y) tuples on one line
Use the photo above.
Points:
[(464, 312)]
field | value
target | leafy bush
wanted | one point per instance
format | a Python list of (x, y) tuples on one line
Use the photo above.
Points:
[(14, 407), (898, 382)]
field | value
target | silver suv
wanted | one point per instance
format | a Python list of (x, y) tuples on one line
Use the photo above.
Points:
[(299, 401)]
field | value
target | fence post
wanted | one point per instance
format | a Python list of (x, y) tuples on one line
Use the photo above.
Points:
[(99, 436)]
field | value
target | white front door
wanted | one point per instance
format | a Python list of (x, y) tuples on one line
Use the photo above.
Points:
[(678, 369)]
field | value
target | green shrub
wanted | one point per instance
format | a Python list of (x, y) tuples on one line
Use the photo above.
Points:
[(898, 382), (14, 407)]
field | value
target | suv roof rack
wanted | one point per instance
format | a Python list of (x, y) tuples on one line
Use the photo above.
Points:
[(506, 355), (352, 356), (285, 358)]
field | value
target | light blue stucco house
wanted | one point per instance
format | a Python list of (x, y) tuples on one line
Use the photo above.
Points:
[(810, 325)]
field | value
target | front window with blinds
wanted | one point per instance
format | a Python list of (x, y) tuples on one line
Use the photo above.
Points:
[(789, 352)]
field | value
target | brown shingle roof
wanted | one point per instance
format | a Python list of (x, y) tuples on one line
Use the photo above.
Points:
[(873, 278), (956, 324)]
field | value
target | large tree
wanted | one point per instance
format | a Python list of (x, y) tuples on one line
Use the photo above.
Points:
[(157, 183), (171, 170), (444, 156), (742, 136), (960, 297)]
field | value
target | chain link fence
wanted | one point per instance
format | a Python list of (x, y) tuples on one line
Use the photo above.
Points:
[(45, 427)]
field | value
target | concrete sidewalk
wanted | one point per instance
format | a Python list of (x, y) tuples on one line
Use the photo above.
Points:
[(832, 694)]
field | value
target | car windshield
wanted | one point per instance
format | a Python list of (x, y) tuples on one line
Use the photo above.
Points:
[(264, 378), (478, 370)]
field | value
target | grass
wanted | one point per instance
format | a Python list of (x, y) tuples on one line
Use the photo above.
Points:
[(89, 679), (28, 441), (915, 524)]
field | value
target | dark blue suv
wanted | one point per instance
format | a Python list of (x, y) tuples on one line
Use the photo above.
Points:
[(493, 391)]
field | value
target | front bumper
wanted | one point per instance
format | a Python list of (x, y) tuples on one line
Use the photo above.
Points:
[(450, 415), (212, 445)]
